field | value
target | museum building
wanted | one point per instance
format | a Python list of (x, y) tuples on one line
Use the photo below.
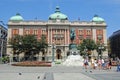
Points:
[(57, 31)]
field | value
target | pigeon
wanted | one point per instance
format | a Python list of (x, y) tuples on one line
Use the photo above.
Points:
[(38, 77), (20, 73), (91, 71), (44, 77)]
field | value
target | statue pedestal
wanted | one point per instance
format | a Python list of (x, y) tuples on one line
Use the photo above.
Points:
[(72, 46), (74, 52)]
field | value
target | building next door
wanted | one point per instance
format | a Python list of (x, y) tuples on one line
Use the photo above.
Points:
[(58, 54)]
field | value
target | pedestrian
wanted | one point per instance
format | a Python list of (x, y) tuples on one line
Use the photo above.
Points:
[(106, 61), (103, 63), (95, 64), (118, 64), (92, 63), (110, 64), (99, 64), (85, 63)]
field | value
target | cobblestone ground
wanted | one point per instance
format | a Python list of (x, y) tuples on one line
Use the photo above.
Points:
[(8, 72)]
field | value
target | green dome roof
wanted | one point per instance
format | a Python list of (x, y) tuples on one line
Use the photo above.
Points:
[(58, 15), (96, 18), (17, 17)]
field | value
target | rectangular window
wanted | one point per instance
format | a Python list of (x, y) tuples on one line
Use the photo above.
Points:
[(27, 32), (35, 32), (15, 31), (81, 32), (99, 32), (88, 32), (44, 32)]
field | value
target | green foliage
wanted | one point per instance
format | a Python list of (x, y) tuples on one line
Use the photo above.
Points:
[(27, 44), (42, 44), (90, 44), (4, 59), (87, 44), (57, 62), (14, 42)]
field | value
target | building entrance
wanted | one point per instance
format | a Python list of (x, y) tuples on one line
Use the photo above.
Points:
[(58, 54)]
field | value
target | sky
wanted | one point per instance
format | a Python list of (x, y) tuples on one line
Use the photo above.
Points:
[(109, 10)]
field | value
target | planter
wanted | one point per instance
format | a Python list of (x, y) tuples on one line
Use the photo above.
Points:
[(33, 64)]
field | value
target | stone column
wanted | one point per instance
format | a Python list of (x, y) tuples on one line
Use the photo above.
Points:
[(65, 37), (94, 34)]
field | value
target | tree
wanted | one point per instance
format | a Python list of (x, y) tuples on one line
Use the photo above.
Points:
[(14, 42), (27, 44), (87, 46), (43, 45), (15, 45)]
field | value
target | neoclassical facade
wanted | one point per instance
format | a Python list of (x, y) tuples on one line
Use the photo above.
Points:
[(57, 30)]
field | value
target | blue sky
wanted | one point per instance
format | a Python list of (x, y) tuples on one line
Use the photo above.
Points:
[(84, 9)]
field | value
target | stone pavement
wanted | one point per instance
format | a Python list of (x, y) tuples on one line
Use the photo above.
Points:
[(48, 76), (71, 76), (8, 72)]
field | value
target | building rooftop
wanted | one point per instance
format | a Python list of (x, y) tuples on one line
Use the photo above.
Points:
[(17, 17), (96, 18), (58, 15)]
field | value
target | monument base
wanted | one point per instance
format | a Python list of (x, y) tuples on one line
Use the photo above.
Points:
[(73, 60)]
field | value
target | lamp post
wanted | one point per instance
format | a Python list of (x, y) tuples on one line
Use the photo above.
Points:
[(10, 57), (100, 48), (85, 50), (18, 57)]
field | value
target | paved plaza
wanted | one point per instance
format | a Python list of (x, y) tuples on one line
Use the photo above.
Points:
[(57, 72)]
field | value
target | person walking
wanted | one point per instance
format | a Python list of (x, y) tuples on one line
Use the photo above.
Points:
[(92, 63), (103, 63), (95, 64), (86, 63), (110, 64), (99, 64), (118, 64)]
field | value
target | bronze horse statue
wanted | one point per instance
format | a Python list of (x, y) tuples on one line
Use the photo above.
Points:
[(72, 34)]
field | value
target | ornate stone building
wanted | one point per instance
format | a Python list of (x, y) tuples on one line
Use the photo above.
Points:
[(57, 30)]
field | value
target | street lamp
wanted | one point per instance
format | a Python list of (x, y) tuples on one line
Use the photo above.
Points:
[(53, 48), (85, 50), (10, 58), (100, 48)]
